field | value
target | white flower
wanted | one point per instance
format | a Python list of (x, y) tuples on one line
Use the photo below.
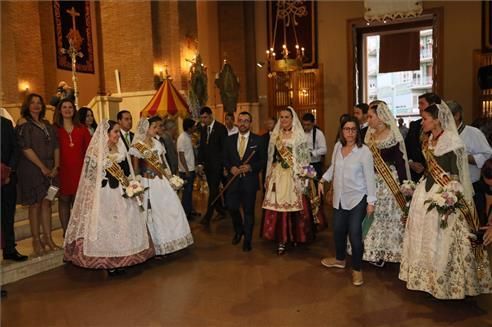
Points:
[(455, 187), (439, 200), (129, 192), (176, 182)]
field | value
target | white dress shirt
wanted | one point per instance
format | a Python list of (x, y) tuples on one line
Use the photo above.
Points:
[(209, 129), (477, 146), (354, 177), (232, 131), (121, 145), (185, 145), (246, 135), (319, 149)]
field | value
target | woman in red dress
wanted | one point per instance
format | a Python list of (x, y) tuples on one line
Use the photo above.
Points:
[(73, 139)]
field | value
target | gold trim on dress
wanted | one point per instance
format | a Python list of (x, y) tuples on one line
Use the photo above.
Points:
[(386, 174)]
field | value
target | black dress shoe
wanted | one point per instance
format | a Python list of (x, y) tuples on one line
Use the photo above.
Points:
[(247, 246), (116, 272), (205, 222), (15, 256), (236, 239)]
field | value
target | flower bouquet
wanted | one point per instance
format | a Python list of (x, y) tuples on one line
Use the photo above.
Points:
[(176, 182), (135, 190), (447, 201), (407, 188)]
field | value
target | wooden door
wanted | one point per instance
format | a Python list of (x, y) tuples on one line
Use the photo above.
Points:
[(302, 89)]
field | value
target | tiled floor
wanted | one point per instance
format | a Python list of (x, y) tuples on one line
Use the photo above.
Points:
[(216, 284)]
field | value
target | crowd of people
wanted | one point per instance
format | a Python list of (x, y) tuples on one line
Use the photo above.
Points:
[(439, 251), (91, 165)]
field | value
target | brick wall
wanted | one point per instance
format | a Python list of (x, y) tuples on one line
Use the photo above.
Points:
[(8, 66), (127, 40), (21, 53)]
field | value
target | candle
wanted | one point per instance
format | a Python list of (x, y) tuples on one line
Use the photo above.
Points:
[(118, 85)]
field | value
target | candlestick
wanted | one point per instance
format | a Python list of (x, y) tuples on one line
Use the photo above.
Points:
[(118, 85)]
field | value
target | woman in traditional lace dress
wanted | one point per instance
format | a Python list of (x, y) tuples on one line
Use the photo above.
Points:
[(441, 260), (106, 230), (384, 240), (166, 219), (287, 215)]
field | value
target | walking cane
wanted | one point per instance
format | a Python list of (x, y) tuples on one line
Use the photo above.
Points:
[(232, 179)]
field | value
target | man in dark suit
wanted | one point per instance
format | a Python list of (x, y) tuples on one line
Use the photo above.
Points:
[(360, 112), (210, 159), (413, 141), (10, 152), (167, 134), (242, 192), (124, 118)]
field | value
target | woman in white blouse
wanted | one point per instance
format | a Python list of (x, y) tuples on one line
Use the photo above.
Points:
[(354, 195)]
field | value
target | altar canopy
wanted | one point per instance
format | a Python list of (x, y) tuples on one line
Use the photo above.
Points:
[(167, 101)]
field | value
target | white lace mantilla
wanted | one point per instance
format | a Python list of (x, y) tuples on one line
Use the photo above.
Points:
[(381, 10)]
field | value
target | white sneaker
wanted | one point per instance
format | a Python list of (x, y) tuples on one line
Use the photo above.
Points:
[(333, 263)]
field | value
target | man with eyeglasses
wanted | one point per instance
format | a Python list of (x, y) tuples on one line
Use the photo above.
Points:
[(243, 160)]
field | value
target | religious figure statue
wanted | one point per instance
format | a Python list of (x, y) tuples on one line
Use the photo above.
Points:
[(228, 84), (198, 86)]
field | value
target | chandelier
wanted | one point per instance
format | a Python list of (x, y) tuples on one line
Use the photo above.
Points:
[(285, 59)]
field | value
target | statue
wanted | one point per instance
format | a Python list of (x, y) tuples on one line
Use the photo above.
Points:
[(197, 93), (228, 84)]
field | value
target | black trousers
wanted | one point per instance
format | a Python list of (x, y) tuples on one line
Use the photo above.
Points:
[(9, 197), (242, 197), (213, 181), (318, 166), (480, 203)]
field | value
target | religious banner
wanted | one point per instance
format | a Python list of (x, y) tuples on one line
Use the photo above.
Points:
[(298, 22), (73, 22)]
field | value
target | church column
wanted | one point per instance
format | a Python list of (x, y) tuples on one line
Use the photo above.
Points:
[(166, 38), (208, 45), (101, 87)]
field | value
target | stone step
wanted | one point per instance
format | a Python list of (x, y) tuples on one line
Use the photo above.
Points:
[(22, 212), (21, 221), (22, 228), (14, 271), (11, 271)]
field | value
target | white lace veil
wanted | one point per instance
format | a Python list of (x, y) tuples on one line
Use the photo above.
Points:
[(451, 141), (88, 201), (141, 135), (142, 128), (300, 147), (386, 116)]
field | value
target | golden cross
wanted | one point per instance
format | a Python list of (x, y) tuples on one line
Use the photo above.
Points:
[(72, 12)]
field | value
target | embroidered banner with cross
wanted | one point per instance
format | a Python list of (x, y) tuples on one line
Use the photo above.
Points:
[(73, 21)]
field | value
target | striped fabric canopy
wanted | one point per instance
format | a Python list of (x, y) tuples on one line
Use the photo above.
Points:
[(166, 102)]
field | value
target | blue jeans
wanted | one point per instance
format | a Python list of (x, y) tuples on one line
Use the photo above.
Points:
[(187, 199), (350, 222)]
